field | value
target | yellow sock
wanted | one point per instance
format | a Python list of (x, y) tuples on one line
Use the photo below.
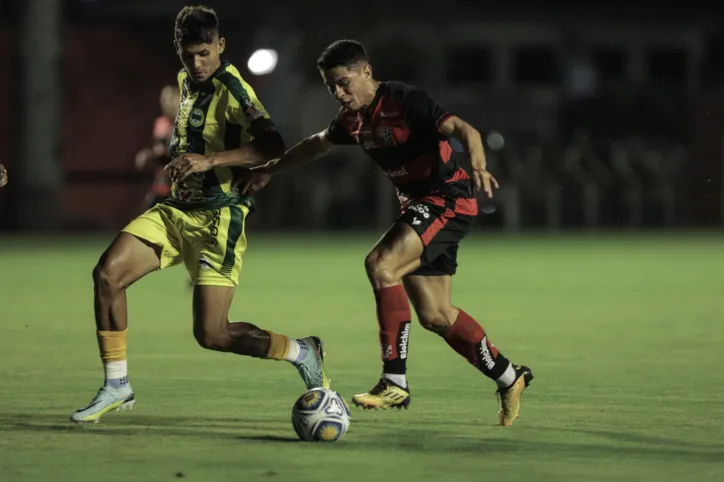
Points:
[(278, 346), (112, 345)]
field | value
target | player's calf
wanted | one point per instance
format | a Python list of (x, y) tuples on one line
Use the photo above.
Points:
[(469, 339)]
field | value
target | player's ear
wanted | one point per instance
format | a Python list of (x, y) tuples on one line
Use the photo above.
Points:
[(177, 47), (222, 45), (367, 71)]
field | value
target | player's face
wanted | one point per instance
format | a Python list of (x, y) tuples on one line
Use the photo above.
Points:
[(201, 60), (353, 87)]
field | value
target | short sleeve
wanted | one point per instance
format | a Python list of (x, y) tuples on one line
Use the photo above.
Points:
[(337, 133), (247, 110), (423, 113)]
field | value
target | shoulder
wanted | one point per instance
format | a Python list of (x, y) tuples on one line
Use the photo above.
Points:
[(403, 95), (401, 90), (231, 80)]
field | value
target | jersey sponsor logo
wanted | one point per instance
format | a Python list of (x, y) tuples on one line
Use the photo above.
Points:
[(401, 172), (366, 139), (389, 114), (197, 117)]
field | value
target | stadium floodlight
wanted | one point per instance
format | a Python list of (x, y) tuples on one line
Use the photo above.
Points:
[(263, 61), (496, 141)]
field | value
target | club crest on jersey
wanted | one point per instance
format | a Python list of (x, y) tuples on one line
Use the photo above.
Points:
[(251, 111), (197, 117), (385, 134)]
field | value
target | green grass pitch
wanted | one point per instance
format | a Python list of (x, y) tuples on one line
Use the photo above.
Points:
[(624, 334)]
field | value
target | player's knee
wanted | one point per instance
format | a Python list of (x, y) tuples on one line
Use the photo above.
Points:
[(381, 269), (438, 319), (106, 277), (217, 340)]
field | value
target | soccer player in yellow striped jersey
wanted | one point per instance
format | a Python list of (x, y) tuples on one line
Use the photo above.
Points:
[(220, 123)]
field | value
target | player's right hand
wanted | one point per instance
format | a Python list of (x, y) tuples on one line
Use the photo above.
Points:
[(3, 176)]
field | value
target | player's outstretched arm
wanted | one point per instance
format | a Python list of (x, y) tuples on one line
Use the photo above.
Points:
[(470, 138), (306, 151)]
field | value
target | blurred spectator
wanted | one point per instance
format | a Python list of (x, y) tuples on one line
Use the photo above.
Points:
[(156, 156)]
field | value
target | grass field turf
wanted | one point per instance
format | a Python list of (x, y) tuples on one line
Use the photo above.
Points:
[(624, 336)]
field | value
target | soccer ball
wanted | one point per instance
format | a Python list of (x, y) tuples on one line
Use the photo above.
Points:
[(320, 415)]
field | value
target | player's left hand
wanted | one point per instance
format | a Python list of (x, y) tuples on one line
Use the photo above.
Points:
[(3, 176), (255, 182), (484, 181), (186, 164)]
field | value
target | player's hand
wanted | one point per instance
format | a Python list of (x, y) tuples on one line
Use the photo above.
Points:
[(255, 182), (3, 176), (484, 181), (187, 164)]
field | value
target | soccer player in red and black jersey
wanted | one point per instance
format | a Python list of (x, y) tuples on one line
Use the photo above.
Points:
[(406, 133)]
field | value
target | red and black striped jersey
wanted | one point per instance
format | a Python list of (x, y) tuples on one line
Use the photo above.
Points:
[(400, 131)]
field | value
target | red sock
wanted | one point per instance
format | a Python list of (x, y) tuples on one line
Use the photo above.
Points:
[(468, 338), (393, 316)]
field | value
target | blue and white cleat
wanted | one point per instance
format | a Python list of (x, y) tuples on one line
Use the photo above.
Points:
[(311, 367), (106, 400)]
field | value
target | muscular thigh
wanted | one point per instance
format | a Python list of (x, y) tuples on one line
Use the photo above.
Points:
[(398, 250), (128, 259)]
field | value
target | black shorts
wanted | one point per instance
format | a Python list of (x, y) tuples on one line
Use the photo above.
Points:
[(441, 229)]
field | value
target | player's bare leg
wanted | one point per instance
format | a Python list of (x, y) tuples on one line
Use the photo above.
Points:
[(213, 331), (431, 298), (127, 260), (397, 253)]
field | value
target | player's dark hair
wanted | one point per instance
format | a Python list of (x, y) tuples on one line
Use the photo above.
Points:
[(345, 53), (196, 24)]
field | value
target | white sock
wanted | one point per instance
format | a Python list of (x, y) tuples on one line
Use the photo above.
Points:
[(399, 380), (116, 373), (297, 351), (507, 378)]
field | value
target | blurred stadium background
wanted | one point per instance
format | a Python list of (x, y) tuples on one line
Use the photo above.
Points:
[(599, 118), (595, 115)]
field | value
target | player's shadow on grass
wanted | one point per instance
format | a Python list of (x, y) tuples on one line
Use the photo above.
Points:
[(269, 438), (149, 424), (134, 424)]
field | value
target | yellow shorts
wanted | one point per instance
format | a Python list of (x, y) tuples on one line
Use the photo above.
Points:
[(210, 243)]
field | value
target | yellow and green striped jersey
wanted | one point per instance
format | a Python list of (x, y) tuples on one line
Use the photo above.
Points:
[(220, 114)]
